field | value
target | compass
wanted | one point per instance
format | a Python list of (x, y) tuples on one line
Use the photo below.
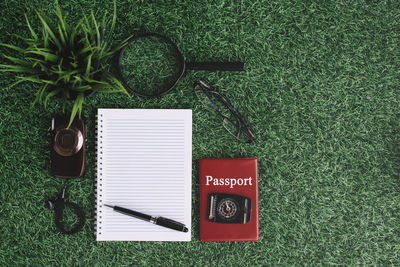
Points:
[(228, 208)]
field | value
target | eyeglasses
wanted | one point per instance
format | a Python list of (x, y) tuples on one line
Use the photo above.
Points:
[(233, 122)]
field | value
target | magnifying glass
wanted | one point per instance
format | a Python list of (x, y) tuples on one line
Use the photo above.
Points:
[(151, 65)]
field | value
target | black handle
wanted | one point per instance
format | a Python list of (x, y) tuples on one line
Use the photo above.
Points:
[(214, 66), (171, 224)]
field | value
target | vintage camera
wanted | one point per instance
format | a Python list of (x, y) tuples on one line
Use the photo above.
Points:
[(68, 152)]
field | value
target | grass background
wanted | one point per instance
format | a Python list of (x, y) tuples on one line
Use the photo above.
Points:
[(321, 90)]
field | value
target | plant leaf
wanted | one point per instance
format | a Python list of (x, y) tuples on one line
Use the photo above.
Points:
[(63, 27), (100, 68), (43, 67), (48, 30), (65, 75), (45, 39), (34, 35), (74, 64), (39, 94), (65, 72), (60, 64), (116, 49), (89, 48), (62, 37), (16, 83), (50, 94), (93, 81), (15, 68), (89, 63), (114, 18), (13, 47), (42, 91), (48, 56), (82, 88), (117, 83), (74, 31), (29, 41), (36, 99), (42, 49), (113, 21), (96, 27), (104, 22), (18, 61), (77, 107), (103, 49), (36, 80)]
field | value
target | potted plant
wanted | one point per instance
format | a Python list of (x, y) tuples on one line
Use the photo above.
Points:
[(68, 62)]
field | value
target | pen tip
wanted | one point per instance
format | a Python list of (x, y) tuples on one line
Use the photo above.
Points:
[(185, 230), (109, 206)]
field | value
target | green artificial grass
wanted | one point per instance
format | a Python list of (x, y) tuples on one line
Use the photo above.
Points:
[(153, 60), (321, 90)]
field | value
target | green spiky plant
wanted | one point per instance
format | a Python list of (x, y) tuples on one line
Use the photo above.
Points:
[(67, 62)]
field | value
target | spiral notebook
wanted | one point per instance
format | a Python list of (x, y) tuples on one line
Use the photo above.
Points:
[(144, 163)]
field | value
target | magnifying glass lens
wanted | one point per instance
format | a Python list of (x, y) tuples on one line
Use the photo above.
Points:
[(150, 65)]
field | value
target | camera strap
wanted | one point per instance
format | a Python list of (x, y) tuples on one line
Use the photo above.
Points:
[(58, 205)]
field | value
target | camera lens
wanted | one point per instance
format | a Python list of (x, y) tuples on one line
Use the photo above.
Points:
[(68, 142)]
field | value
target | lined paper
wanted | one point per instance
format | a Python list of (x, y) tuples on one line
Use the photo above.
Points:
[(144, 164)]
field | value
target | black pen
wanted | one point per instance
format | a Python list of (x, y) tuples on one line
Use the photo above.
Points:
[(155, 220)]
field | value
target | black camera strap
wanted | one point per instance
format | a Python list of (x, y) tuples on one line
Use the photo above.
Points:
[(58, 204)]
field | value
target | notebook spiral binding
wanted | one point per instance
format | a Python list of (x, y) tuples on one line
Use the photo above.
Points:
[(98, 181)]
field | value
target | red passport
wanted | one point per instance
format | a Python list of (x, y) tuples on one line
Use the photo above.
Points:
[(228, 199)]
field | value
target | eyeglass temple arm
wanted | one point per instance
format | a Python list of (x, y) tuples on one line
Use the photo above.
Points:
[(214, 66)]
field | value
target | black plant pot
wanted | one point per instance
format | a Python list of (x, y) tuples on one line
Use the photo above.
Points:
[(73, 94)]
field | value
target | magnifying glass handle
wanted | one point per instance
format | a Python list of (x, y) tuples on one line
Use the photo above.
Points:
[(213, 66)]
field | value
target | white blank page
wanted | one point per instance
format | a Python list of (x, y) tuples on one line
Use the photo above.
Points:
[(144, 164)]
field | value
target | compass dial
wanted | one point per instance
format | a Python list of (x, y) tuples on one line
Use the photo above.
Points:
[(227, 208)]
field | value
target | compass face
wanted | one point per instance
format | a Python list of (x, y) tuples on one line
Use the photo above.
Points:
[(228, 208)]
